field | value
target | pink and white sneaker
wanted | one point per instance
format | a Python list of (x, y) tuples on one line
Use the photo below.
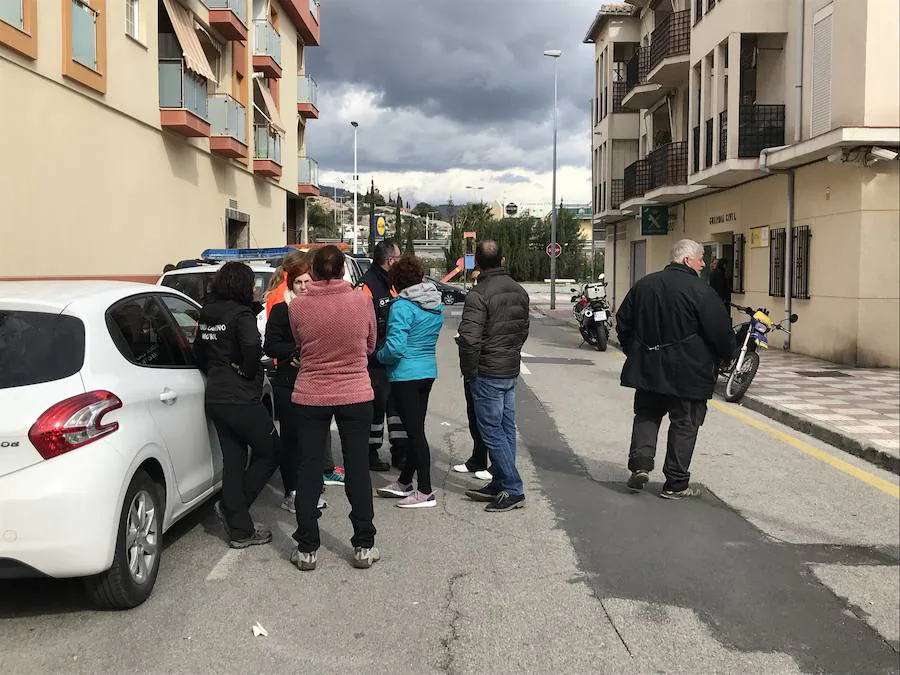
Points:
[(395, 489), (418, 500)]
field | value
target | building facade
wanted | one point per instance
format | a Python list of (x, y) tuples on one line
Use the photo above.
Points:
[(767, 130), (140, 132)]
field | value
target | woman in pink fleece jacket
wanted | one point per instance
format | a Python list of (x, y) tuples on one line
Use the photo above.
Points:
[(334, 326)]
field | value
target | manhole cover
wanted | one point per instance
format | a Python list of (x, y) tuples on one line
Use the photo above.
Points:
[(823, 373)]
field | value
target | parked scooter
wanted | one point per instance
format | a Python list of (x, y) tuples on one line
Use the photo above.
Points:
[(593, 314), (751, 335)]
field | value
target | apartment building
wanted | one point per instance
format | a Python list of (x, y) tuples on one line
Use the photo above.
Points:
[(139, 132), (768, 130)]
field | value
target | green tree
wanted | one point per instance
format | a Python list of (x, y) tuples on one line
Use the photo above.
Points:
[(410, 230), (423, 209), (398, 220), (379, 198), (319, 221)]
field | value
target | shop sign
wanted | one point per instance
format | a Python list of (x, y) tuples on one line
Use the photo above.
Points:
[(723, 218), (759, 237), (654, 220)]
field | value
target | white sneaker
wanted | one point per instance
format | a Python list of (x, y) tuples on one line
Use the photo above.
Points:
[(483, 475), (461, 468)]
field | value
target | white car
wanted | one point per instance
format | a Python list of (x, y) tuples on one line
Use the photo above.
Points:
[(104, 441)]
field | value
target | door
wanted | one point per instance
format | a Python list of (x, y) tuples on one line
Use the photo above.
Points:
[(638, 261), (160, 371)]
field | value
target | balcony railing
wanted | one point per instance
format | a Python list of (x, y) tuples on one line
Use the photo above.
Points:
[(314, 9), (266, 40), (723, 135), (307, 171), (181, 89), (695, 138), (637, 179), (668, 165), (239, 7), (619, 91), (759, 127), (267, 143), (616, 193), (671, 38), (307, 90), (637, 68), (13, 13), (228, 117)]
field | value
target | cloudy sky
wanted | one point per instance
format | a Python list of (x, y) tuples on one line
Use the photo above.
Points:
[(451, 93)]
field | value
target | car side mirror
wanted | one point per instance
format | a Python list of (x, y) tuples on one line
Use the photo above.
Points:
[(794, 318)]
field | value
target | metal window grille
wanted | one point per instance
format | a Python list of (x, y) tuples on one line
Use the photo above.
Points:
[(637, 68), (619, 91), (637, 179), (668, 165), (800, 246), (616, 193), (737, 269), (776, 263), (759, 126)]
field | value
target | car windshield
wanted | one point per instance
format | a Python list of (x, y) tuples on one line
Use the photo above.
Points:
[(38, 347), (196, 285)]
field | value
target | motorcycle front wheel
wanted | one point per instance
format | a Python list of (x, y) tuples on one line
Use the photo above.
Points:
[(740, 380)]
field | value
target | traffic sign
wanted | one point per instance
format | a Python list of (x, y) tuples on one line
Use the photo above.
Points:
[(512, 209), (554, 250)]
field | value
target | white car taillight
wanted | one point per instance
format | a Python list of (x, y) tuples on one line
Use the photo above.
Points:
[(73, 423)]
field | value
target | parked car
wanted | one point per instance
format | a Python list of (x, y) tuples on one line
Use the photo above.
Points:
[(363, 263), (450, 294), (104, 437)]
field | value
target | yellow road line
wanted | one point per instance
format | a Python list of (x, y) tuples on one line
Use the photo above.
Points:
[(875, 481)]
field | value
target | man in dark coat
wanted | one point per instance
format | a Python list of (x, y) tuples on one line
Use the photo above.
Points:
[(493, 328), (719, 281), (674, 331)]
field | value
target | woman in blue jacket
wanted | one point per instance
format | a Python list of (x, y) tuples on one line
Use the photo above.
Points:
[(409, 352)]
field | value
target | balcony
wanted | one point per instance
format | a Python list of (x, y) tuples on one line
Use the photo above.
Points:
[(759, 127), (636, 181), (305, 15), (183, 100), (616, 193), (266, 49), (307, 177), (640, 94), (229, 17), (670, 50), (266, 151), (307, 97), (668, 181), (619, 91), (229, 127)]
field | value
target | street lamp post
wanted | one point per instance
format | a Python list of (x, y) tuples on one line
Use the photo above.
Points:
[(554, 54), (474, 188), (355, 126)]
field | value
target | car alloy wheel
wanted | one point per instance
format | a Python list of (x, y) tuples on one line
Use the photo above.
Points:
[(142, 537), (449, 299)]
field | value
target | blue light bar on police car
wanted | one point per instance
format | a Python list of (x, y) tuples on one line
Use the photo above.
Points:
[(226, 254)]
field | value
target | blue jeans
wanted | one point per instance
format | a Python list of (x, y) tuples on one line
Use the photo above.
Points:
[(495, 411)]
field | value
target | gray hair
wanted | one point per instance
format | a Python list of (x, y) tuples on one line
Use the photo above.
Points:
[(686, 248)]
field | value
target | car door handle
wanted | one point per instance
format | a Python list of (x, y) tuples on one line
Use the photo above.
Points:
[(168, 396)]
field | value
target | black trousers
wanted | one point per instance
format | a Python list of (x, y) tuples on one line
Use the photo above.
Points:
[(314, 426), (384, 404), (685, 419), (239, 426), (479, 459), (290, 444), (412, 404)]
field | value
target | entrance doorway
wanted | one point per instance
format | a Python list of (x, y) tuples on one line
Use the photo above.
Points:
[(638, 261), (717, 251), (237, 234)]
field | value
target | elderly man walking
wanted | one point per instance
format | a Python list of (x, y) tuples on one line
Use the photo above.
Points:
[(493, 328), (674, 331)]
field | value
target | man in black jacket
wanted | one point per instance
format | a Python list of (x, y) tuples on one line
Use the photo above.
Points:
[(376, 284), (228, 351), (493, 328), (674, 331)]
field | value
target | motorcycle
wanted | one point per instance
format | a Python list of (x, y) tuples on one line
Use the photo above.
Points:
[(593, 314), (751, 335)]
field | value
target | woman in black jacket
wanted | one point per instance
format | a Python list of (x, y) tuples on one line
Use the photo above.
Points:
[(228, 351), (281, 346)]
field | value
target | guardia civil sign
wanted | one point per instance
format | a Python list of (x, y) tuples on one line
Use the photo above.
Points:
[(654, 220)]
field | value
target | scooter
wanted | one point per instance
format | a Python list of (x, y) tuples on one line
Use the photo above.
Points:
[(593, 314), (751, 335)]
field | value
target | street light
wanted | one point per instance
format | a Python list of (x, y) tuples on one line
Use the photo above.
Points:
[(355, 126), (474, 187), (554, 54)]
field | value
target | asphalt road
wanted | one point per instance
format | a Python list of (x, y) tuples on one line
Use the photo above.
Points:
[(788, 562)]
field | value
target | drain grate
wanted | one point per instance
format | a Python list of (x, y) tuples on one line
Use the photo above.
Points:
[(823, 373)]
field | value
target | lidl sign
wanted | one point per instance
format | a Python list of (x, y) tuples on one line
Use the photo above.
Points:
[(380, 225)]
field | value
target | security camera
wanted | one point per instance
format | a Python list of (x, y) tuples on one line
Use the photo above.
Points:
[(883, 153)]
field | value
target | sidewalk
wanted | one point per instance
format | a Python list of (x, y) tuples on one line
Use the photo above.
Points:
[(854, 409)]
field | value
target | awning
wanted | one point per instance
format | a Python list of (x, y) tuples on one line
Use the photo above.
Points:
[(270, 109), (194, 58)]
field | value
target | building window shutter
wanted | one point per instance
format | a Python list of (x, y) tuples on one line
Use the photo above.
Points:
[(820, 113)]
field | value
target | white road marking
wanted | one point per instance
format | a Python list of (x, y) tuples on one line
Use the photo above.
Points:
[(275, 490), (221, 569), (526, 355), (525, 370)]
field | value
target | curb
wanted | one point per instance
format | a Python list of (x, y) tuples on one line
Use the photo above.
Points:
[(861, 448)]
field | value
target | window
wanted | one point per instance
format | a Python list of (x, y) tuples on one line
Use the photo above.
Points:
[(186, 315), (737, 270), (18, 26), (38, 347), (801, 237), (776, 263), (145, 334), (133, 18), (84, 42)]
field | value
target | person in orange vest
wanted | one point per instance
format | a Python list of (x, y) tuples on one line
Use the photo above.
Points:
[(378, 287)]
